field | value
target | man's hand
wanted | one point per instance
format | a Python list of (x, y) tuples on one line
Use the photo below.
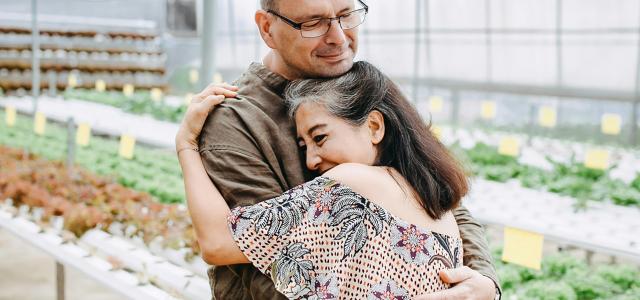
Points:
[(469, 285)]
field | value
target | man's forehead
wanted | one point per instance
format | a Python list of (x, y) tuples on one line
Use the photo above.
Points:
[(313, 8)]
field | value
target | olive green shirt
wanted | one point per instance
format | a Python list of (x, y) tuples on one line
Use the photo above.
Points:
[(249, 149)]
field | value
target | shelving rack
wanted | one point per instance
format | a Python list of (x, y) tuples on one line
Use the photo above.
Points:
[(131, 54)]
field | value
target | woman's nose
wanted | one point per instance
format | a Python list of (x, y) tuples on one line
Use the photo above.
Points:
[(313, 160)]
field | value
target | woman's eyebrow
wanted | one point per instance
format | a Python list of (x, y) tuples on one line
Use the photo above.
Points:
[(315, 127)]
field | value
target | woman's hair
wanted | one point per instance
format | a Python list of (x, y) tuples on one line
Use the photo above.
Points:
[(408, 144)]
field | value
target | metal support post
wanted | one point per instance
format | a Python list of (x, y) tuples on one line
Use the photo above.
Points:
[(208, 55), (455, 108), (71, 145), (416, 53), (232, 31), (59, 281), (35, 55), (559, 57), (634, 111), (53, 83)]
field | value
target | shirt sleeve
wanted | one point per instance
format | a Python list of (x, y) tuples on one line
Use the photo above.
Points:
[(234, 161), (476, 250), (240, 170), (263, 231)]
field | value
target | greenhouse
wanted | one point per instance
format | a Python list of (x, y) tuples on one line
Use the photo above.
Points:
[(299, 149)]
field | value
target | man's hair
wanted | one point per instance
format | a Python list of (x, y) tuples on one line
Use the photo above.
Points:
[(408, 144), (268, 4)]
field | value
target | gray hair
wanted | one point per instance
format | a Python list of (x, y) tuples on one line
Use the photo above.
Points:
[(268, 4), (407, 145), (351, 96)]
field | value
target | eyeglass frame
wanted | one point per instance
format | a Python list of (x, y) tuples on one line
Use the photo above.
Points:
[(298, 26)]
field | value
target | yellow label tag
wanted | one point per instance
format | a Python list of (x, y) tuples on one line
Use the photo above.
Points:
[(611, 124), (437, 131), (547, 117), (187, 99), (72, 80), (127, 145), (83, 134), (194, 76), (523, 248), (509, 146), (597, 159), (101, 86), (128, 90), (39, 123), (435, 104), (488, 110), (217, 78), (156, 94), (10, 116)]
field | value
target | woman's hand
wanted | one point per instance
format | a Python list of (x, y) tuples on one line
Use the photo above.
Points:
[(201, 105)]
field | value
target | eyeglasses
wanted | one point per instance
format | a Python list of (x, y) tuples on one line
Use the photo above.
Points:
[(320, 26)]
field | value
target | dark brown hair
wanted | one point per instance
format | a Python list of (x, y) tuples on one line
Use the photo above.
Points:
[(408, 144)]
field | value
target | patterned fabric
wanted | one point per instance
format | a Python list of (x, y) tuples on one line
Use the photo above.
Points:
[(321, 240)]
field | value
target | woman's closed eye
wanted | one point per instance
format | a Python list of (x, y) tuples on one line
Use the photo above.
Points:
[(320, 138)]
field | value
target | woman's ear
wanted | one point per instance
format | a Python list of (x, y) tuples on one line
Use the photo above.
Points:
[(263, 21), (375, 122)]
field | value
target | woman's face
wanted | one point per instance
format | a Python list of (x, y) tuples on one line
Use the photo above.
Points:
[(330, 141)]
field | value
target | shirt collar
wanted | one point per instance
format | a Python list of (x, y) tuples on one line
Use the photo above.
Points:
[(275, 81)]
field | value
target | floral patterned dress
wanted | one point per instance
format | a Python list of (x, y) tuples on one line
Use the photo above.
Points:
[(322, 240)]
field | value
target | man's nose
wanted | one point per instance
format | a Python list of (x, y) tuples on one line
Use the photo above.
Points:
[(335, 35)]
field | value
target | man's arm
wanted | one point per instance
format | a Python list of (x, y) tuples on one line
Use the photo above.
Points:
[(477, 255), (477, 279)]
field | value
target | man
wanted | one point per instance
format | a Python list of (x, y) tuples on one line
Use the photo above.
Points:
[(249, 148)]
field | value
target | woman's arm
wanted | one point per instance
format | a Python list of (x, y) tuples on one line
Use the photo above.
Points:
[(207, 207), (208, 212)]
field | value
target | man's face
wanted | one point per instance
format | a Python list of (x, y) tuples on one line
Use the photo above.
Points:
[(329, 55)]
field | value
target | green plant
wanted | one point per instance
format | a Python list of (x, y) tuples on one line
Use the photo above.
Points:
[(139, 103), (154, 171)]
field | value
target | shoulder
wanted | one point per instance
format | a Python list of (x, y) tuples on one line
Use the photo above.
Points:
[(359, 177), (236, 121)]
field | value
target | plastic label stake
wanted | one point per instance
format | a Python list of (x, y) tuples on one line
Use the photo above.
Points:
[(194, 76), (435, 104), (437, 131), (597, 159), (127, 145), (156, 94), (83, 134), (101, 86), (509, 146), (547, 117), (187, 99), (523, 248), (72, 81), (39, 123), (488, 110), (217, 78), (10, 116), (611, 124), (128, 90)]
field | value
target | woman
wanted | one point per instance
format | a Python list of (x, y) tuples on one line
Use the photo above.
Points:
[(376, 224)]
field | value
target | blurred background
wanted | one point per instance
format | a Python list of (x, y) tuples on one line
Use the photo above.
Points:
[(538, 98)]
